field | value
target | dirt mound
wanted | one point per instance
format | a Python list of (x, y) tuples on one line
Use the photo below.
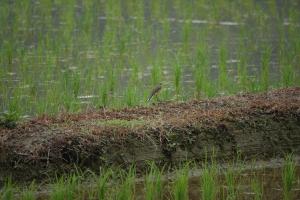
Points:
[(255, 125)]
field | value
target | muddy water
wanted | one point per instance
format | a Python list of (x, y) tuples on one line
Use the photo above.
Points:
[(216, 31), (270, 178), (268, 174)]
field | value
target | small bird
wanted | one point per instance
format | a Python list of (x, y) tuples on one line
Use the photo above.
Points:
[(155, 91)]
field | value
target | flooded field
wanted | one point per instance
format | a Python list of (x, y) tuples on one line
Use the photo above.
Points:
[(76, 77), (57, 56), (272, 179)]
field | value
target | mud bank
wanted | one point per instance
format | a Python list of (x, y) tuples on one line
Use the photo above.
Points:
[(257, 126)]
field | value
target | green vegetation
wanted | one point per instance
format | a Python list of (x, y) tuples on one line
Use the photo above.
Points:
[(177, 76), (230, 179), (65, 188), (29, 193), (209, 185), (9, 119), (68, 57), (215, 182), (7, 191), (126, 188), (153, 183), (181, 184), (102, 182), (265, 70), (256, 187), (57, 57), (288, 176)]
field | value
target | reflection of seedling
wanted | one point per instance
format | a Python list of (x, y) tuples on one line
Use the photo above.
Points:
[(257, 189)]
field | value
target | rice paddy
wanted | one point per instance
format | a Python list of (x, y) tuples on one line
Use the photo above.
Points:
[(59, 56), (211, 181), (73, 56)]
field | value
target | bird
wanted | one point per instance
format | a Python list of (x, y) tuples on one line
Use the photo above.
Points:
[(155, 91)]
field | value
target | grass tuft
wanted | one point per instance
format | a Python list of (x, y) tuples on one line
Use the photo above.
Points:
[(180, 188), (153, 183), (102, 181), (288, 176), (209, 182), (7, 192), (126, 189)]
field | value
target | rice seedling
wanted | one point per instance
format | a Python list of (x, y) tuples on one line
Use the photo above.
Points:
[(72, 184), (177, 75), (265, 64), (288, 176), (126, 188), (59, 189), (139, 21), (223, 77), (157, 10), (102, 181), (180, 187), (65, 188), (111, 79), (156, 73), (118, 184), (69, 49), (131, 95), (166, 93), (104, 95), (230, 180), (29, 192), (166, 30), (201, 70), (124, 40), (7, 192), (75, 84), (153, 183), (186, 34), (10, 117), (214, 15), (287, 75), (242, 72), (286, 67), (209, 187)]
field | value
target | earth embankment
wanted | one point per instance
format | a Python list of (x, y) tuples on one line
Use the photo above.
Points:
[(256, 126)]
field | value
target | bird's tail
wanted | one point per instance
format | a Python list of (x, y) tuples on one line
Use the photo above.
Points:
[(150, 97)]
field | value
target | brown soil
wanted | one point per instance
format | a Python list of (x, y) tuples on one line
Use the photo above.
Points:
[(255, 125)]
